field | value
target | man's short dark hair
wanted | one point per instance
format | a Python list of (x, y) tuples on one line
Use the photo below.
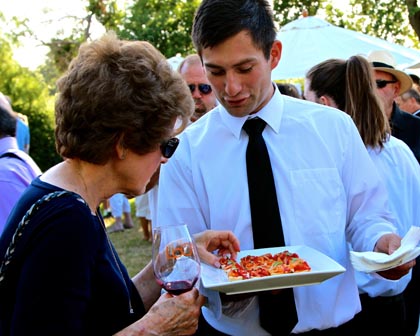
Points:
[(217, 20), (7, 123)]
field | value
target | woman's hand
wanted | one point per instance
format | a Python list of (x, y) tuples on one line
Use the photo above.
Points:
[(223, 241), (170, 315), (178, 315)]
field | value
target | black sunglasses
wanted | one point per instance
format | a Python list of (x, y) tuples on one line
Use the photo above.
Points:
[(381, 83), (168, 147), (203, 88)]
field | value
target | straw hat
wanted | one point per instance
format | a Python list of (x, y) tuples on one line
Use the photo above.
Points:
[(382, 60)]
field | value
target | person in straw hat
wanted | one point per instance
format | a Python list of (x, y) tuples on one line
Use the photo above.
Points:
[(390, 84)]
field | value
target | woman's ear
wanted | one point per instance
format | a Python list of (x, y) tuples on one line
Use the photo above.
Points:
[(328, 101), (120, 148)]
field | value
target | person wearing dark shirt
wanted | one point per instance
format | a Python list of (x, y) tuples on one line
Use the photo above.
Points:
[(392, 83), (288, 90), (60, 274), (410, 101), (192, 70)]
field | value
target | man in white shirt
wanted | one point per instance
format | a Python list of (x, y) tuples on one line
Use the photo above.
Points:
[(327, 187)]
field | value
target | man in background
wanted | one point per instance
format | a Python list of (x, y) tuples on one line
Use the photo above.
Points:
[(17, 169), (120, 209), (409, 102), (23, 136), (416, 81), (390, 84), (193, 72)]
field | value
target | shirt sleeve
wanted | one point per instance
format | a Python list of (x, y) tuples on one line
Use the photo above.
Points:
[(368, 214), (178, 201), (9, 195)]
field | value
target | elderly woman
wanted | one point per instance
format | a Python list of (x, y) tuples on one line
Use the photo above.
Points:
[(115, 115)]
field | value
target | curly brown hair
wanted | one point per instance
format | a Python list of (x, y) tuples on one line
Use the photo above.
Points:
[(115, 91)]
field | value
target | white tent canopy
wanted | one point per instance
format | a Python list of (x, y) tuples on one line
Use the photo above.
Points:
[(174, 61), (310, 40)]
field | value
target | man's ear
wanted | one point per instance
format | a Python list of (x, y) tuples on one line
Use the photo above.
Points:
[(275, 54), (397, 88)]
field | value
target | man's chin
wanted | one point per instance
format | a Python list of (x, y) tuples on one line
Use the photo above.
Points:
[(196, 116)]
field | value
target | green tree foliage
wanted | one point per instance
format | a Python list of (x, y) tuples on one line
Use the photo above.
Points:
[(414, 15), (62, 49), (107, 13), (50, 73), (385, 19), (392, 20), (287, 11), (29, 96), (165, 24)]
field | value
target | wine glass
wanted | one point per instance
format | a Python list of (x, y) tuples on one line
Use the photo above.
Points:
[(176, 263)]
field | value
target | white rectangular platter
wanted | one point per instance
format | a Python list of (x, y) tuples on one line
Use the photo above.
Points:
[(322, 268)]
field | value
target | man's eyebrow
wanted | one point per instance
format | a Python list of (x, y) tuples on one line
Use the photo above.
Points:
[(215, 66)]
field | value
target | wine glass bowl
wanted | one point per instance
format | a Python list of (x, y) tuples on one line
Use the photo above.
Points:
[(176, 263)]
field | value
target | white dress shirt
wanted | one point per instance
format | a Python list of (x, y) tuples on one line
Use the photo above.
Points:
[(400, 172), (329, 192)]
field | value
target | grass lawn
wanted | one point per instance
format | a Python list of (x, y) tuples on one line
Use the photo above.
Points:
[(134, 252)]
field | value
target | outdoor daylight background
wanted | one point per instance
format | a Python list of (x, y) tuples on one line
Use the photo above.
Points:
[(39, 38), (46, 19), (50, 18)]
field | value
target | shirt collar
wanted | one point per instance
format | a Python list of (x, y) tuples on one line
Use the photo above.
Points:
[(8, 143), (271, 113)]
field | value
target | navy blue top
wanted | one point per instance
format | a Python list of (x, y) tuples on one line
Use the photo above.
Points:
[(406, 127), (63, 278)]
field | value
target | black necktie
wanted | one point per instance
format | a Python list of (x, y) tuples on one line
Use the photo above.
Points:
[(277, 311)]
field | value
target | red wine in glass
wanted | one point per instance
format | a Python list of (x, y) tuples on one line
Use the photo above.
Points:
[(178, 287), (175, 259)]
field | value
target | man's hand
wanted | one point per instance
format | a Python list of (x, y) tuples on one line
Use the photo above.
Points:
[(388, 244), (223, 241)]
